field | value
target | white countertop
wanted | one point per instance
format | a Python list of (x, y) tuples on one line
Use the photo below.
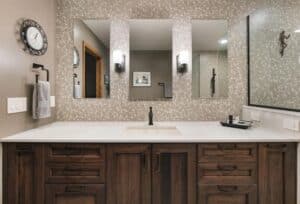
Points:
[(115, 132)]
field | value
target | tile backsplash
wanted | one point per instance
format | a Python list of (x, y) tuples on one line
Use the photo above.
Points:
[(182, 107)]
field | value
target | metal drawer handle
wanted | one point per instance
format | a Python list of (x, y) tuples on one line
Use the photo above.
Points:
[(75, 189), (227, 167), (227, 188), (227, 146)]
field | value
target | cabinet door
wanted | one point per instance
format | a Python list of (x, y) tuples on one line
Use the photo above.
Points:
[(227, 194), (128, 174), (23, 174), (277, 173), (75, 194), (174, 174)]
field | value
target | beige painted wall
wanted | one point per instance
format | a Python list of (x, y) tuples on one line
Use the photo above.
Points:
[(16, 78), (159, 63)]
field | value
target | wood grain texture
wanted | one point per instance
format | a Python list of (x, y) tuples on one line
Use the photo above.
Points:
[(75, 194), (174, 174), (128, 174), (277, 173)]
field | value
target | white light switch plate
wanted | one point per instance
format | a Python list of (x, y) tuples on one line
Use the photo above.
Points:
[(291, 124), (52, 101), (16, 105)]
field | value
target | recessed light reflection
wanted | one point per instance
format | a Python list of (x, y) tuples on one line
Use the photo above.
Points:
[(223, 41)]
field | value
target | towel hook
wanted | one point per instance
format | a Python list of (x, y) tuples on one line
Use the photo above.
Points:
[(38, 66)]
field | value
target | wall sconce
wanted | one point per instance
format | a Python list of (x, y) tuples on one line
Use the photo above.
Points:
[(119, 61), (182, 61)]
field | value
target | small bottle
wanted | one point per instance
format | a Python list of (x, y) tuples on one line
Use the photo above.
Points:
[(150, 116)]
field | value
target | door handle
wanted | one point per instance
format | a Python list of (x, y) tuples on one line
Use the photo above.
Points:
[(157, 161)]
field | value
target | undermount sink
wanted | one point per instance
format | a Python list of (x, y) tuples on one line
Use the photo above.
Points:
[(155, 130)]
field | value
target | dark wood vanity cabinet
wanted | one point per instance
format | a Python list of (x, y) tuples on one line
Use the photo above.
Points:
[(75, 194), (129, 174), (23, 174), (277, 173), (247, 173), (174, 174)]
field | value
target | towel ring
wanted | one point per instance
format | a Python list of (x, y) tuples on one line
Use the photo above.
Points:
[(38, 66)]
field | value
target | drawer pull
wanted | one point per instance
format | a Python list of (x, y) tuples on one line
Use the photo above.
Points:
[(75, 189), (227, 146), (227, 167), (72, 171), (227, 189)]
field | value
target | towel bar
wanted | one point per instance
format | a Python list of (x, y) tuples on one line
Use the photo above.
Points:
[(37, 66)]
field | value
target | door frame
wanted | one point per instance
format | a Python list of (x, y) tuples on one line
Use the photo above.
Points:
[(99, 69)]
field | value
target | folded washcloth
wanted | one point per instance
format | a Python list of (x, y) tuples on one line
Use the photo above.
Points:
[(41, 100)]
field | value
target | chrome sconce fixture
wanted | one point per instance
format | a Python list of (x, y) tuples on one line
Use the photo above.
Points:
[(119, 61), (182, 62)]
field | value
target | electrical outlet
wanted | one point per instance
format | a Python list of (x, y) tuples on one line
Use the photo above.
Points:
[(52, 101), (16, 105)]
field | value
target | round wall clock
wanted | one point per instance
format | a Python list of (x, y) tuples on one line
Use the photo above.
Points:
[(33, 37)]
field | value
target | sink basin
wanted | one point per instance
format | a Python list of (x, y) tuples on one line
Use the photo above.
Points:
[(154, 131)]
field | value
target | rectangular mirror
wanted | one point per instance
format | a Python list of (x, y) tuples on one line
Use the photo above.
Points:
[(274, 58), (91, 59), (150, 59), (210, 61)]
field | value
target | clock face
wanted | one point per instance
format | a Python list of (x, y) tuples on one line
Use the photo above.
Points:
[(33, 37)]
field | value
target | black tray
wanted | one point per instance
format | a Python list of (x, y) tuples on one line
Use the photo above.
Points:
[(239, 125)]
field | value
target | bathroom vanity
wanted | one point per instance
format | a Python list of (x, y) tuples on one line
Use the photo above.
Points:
[(91, 163)]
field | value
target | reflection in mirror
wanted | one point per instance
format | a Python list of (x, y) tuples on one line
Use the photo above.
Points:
[(150, 59), (91, 75), (274, 58), (210, 62)]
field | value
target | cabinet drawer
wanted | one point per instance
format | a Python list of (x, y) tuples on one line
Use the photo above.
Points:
[(75, 152), (75, 173), (227, 152), (227, 173), (75, 194), (237, 194)]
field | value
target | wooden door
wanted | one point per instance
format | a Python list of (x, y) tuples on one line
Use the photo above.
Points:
[(23, 174), (174, 174), (128, 174), (277, 173), (227, 194), (75, 194)]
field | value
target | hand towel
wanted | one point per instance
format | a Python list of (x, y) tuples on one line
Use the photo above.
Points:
[(41, 100)]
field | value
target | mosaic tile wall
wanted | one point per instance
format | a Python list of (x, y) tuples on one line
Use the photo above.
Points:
[(275, 80), (182, 107)]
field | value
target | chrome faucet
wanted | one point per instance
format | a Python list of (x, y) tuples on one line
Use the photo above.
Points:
[(150, 115)]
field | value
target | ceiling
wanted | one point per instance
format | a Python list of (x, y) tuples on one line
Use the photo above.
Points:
[(207, 33), (156, 34), (101, 28), (150, 34)]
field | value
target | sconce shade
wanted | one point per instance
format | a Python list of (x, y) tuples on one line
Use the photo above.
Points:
[(182, 61), (119, 61)]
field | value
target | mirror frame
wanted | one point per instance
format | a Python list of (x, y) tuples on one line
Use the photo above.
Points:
[(249, 77)]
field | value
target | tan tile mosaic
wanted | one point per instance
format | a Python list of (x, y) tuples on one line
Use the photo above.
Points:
[(182, 107)]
